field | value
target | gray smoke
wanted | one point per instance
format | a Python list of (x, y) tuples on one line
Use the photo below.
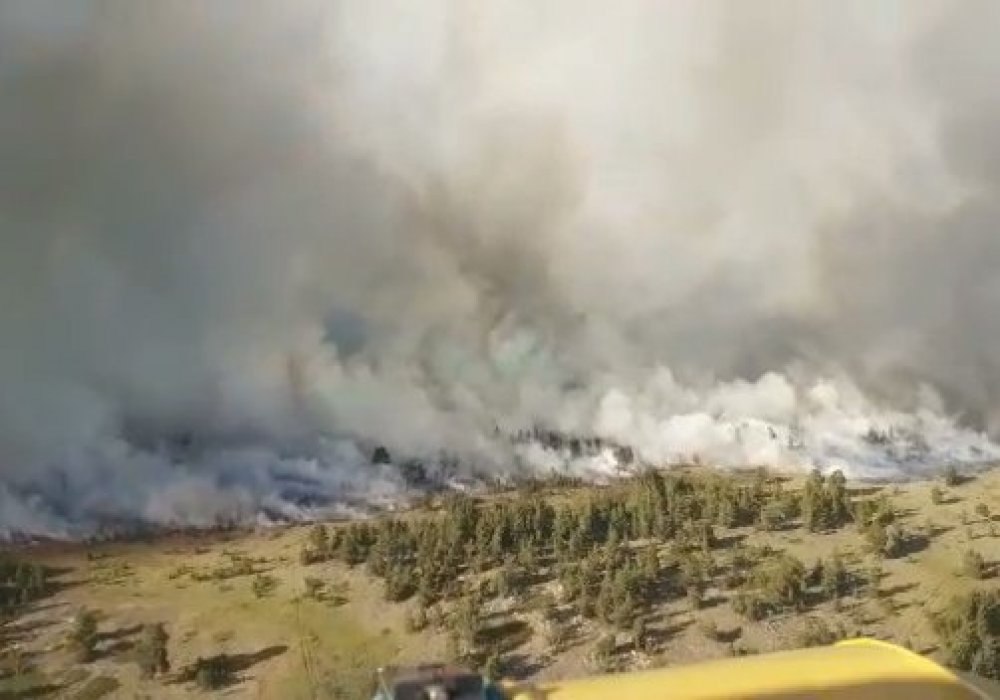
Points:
[(240, 243)]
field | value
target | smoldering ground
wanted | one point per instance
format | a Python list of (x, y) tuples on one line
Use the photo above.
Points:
[(240, 244)]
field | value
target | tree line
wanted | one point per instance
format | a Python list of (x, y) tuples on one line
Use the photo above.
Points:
[(615, 551)]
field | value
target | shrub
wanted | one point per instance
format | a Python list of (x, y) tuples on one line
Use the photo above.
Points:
[(400, 584), (179, 572), (750, 606), (416, 620), (710, 630), (557, 634), (466, 623), (816, 632), (83, 636), (873, 579), (887, 605), (695, 597), (983, 511), (779, 584), (879, 510), (815, 575), (835, 578), (491, 667), (950, 476), (604, 652), (319, 538), (308, 555), (213, 673), (968, 628), (151, 651), (313, 587), (876, 537), (929, 528), (895, 544), (973, 564), (742, 650), (505, 581), (640, 635), (15, 660), (772, 517), (263, 585)]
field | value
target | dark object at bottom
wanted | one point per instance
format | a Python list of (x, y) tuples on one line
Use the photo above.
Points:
[(433, 682)]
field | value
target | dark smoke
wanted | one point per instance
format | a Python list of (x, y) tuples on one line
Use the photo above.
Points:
[(242, 243)]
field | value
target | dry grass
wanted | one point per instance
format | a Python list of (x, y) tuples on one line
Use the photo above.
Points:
[(292, 644)]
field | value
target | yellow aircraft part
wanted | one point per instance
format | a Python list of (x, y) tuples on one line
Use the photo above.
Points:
[(861, 669)]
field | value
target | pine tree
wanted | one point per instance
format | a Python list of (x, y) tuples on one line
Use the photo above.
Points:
[(835, 579), (83, 636), (838, 502), (814, 514)]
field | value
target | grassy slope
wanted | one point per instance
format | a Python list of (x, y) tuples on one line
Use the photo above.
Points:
[(298, 646)]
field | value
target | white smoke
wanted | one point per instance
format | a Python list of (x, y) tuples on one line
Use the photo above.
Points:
[(829, 424), (241, 244)]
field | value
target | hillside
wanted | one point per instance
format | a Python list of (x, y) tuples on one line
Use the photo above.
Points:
[(546, 582)]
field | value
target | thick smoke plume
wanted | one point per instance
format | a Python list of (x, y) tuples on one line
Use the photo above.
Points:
[(242, 243)]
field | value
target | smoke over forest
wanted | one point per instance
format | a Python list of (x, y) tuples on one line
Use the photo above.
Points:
[(242, 244)]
